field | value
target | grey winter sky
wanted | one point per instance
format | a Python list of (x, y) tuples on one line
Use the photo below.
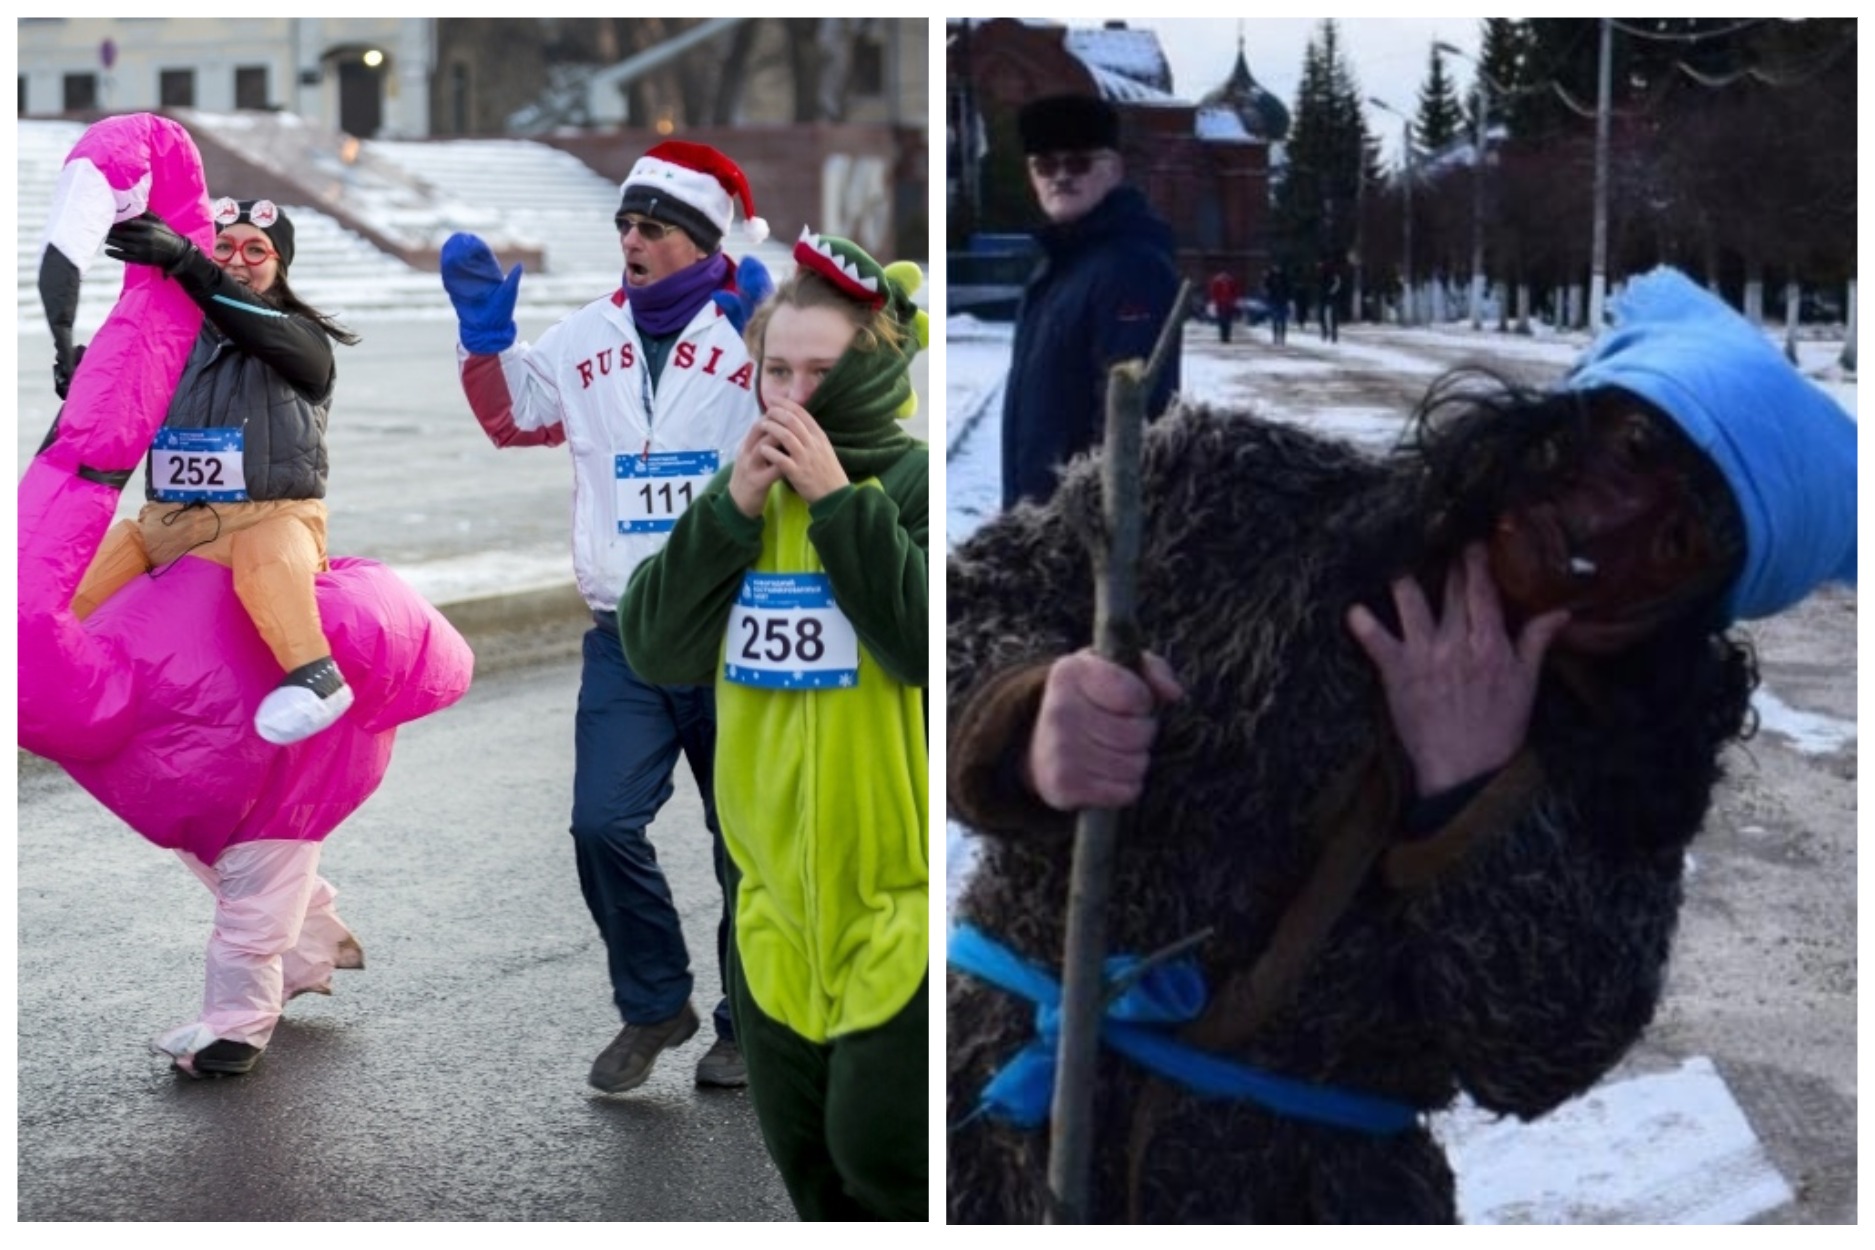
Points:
[(1389, 56)]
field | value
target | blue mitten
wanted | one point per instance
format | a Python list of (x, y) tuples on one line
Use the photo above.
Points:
[(753, 285), (484, 299)]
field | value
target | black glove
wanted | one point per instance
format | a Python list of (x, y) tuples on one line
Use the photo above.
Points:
[(62, 371), (148, 240)]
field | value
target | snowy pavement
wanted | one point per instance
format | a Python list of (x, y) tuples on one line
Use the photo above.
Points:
[(1664, 1139)]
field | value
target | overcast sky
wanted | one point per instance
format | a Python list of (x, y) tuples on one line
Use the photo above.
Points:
[(1387, 55)]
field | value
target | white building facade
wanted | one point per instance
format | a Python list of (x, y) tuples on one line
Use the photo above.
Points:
[(369, 77)]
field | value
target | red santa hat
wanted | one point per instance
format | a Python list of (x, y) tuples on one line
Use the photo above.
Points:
[(691, 186)]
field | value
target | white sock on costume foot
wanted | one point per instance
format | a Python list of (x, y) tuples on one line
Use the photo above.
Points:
[(311, 698)]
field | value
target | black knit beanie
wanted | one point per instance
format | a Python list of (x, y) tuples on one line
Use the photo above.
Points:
[(266, 216)]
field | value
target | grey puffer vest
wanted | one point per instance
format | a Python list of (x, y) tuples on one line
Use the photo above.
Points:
[(284, 432)]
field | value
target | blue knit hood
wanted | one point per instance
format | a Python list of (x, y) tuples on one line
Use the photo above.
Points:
[(1783, 445)]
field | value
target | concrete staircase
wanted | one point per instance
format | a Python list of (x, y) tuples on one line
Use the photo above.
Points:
[(550, 200), (516, 194), (541, 197), (334, 269)]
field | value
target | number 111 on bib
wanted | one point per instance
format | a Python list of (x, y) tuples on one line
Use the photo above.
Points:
[(653, 490)]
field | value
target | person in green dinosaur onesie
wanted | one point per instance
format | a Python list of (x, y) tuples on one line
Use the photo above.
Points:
[(797, 584)]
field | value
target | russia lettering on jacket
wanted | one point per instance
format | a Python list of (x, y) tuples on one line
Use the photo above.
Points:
[(684, 357)]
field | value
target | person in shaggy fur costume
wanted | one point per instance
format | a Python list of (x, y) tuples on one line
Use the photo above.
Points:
[(1414, 759)]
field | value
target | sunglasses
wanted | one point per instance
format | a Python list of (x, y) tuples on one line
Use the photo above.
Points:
[(648, 230), (251, 251), (1072, 164)]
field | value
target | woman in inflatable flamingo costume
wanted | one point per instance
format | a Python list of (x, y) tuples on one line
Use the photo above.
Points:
[(149, 701)]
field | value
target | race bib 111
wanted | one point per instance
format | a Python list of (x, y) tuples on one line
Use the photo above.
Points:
[(654, 489), (786, 633)]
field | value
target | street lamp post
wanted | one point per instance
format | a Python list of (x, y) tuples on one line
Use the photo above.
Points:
[(1483, 108), (1598, 261), (1406, 214), (1481, 122)]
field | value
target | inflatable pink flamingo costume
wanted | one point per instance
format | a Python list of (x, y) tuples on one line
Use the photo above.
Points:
[(149, 702)]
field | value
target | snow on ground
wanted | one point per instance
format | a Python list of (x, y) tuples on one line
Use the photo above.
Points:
[(1809, 733), (1670, 1148), (1661, 1148)]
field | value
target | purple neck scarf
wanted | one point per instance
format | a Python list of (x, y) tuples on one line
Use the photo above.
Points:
[(667, 305)]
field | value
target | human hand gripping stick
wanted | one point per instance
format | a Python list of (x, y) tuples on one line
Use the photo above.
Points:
[(1094, 732), (484, 299)]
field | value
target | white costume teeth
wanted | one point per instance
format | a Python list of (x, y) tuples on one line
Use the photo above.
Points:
[(846, 268)]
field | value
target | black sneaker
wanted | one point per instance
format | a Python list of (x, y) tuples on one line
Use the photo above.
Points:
[(626, 1063), (723, 1066), (226, 1057)]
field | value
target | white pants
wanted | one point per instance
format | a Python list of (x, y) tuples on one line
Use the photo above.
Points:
[(276, 935)]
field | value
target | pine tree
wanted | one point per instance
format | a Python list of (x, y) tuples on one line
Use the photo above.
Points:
[(1441, 119), (1321, 188), (1503, 54)]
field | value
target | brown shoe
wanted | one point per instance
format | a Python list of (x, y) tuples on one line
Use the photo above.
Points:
[(626, 1063)]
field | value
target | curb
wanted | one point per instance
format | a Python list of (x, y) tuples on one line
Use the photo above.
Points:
[(488, 617), (506, 631)]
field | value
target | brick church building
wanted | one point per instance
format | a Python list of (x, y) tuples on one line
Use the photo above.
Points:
[(1204, 164)]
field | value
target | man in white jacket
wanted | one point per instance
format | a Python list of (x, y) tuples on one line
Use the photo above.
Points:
[(652, 389)]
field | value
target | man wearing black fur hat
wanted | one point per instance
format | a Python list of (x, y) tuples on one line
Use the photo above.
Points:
[(1101, 295), (1414, 761)]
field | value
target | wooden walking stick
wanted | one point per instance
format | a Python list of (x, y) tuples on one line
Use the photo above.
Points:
[(1096, 834)]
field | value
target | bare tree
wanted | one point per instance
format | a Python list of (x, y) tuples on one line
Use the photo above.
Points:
[(805, 57), (726, 103)]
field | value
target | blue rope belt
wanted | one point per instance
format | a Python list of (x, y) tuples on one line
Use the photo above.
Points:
[(1139, 1024)]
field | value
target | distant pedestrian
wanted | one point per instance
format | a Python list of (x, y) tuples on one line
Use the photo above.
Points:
[(667, 342), (1225, 294), (1278, 295), (1102, 294), (1328, 300)]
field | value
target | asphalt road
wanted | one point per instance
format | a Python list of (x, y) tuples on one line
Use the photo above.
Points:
[(445, 1081)]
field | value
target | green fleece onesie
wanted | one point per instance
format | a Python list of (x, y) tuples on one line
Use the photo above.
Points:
[(821, 793), (812, 623)]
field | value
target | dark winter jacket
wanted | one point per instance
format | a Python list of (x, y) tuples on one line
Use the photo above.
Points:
[(1519, 976), (262, 369), (1101, 294)]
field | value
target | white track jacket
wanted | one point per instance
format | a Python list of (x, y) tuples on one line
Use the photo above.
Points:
[(639, 456)]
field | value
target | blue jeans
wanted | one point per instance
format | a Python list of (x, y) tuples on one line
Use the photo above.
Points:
[(626, 737)]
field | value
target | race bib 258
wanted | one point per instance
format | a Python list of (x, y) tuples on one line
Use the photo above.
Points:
[(787, 633)]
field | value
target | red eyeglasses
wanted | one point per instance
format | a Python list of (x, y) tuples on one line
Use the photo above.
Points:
[(251, 251)]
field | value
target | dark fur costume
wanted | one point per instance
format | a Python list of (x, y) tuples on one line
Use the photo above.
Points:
[(1520, 977)]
